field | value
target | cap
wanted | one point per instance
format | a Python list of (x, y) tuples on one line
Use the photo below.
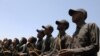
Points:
[(42, 31), (72, 11), (63, 22), (33, 39), (47, 27)]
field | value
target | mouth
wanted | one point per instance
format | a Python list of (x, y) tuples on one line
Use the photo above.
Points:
[(75, 19)]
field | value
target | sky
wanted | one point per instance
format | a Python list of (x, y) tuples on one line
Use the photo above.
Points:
[(21, 18)]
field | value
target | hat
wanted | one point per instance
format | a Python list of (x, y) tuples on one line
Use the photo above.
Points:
[(48, 27), (63, 22), (33, 39), (42, 31), (72, 11)]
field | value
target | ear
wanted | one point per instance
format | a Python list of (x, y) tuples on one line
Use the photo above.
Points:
[(81, 16)]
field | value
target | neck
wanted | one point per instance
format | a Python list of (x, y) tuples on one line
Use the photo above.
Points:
[(80, 24), (40, 39), (62, 33), (49, 35)]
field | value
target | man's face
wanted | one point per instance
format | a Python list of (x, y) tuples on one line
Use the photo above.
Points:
[(14, 42), (61, 27), (29, 40), (47, 31), (77, 17), (40, 35)]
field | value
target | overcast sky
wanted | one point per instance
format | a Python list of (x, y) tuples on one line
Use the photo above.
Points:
[(20, 18)]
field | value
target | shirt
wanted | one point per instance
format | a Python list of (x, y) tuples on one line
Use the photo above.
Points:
[(86, 40)]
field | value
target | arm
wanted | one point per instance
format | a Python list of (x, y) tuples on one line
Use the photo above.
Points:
[(43, 47)]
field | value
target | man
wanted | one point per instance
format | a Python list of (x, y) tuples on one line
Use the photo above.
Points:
[(22, 47), (15, 47), (1, 48), (86, 36), (40, 36), (31, 46), (48, 43), (62, 26), (7, 49), (63, 40), (31, 42)]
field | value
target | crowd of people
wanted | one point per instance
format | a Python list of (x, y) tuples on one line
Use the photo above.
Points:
[(84, 42)]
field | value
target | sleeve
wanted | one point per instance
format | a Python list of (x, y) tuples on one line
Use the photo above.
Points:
[(68, 42), (52, 44), (94, 39), (43, 47), (55, 45)]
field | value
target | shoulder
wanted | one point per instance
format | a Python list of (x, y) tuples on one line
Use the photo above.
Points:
[(92, 24), (56, 39), (67, 36), (92, 27), (52, 38)]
